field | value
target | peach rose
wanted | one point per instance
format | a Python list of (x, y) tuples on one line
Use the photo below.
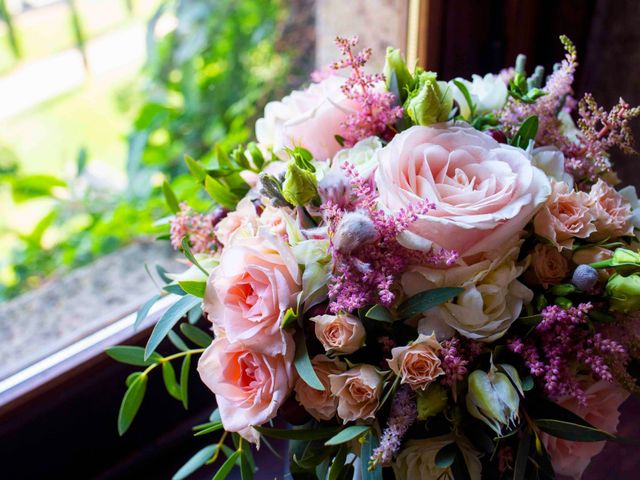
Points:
[(603, 400), (256, 281), (611, 211), (358, 391), (320, 404), (417, 364), (566, 215), (274, 218), (244, 217), (309, 118), (249, 386), (549, 265), (484, 192), (342, 333)]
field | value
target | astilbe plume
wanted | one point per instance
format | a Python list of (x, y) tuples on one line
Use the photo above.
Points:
[(197, 227), (455, 354), (376, 112), (367, 275), (561, 343), (403, 414)]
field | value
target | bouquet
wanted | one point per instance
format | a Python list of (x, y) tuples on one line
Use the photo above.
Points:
[(419, 279)]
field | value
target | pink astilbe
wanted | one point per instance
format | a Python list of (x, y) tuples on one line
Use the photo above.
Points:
[(561, 342), (376, 112), (368, 274), (403, 414), (455, 356), (198, 228)]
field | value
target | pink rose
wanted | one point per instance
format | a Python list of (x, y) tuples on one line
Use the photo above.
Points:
[(603, 400), (244, 216), (321, 404), (549, 265), (247, 294), (484, 192), (358, 391), (566, 215), (342, 333), (249, 386), (310, 118), (611, 211), (417, 364)]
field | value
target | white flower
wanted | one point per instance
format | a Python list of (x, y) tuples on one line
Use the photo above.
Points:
[(551, 161), (630, 195), (417, 461), (487, 93), (315, 258), (361, 155)]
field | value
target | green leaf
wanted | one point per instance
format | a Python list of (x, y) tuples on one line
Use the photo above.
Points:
[(168, 320), (194, 314), (366, 450), (32, 186), (522, 458), (347, 434), (132, 378), (467, 96), (303, 364), (196, 335), (246, 470), (214, 427), (169, 377), (379, 313), (459, 467), (186, 249), (195, 462), (170, 197), (177, 342), (423, 301), (572, 431), (144, 310), (193, 287), (131, 403), (175, 289), (131, 355), (289, 318), (298, 433), (226, 467), (219, 192), (446, 455), (338, 464), (526, 132), (197, 170), (162, 273)]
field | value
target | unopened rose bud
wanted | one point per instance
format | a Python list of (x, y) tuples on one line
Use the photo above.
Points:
[(624, 292), (395, 69), (299, 186), (493, 398), (354, 230), (585, 277), (335, 187), (430, 101)]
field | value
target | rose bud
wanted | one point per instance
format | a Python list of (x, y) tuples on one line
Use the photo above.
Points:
[(355, 229), (299, 186), (342, 333), (335, 187), (624, 292), (585, 277)]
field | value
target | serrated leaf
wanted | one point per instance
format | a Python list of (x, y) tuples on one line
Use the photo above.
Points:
[(131, 403), (380, 313), (144, 310), (131, 355), (226, 467), (168, 320), (446, 455), (298, 433), (423, 301), (196, 335), (193, 287), (170, 197), (303, 365), (170, 382), (347, 434), (572, 431), (195, 462)]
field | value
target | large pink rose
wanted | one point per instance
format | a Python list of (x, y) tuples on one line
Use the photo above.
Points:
[(309, 118), (603, 400), (249, 386), (484, 192), (247, 294)]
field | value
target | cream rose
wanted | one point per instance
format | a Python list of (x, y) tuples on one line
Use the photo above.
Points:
[(488, 93), (361, 156), (321, 404), (309, 118), (247, 294), (417, 460), (492, 298), (417, 364), (342, 333), (484, 192), (358, 391), (249, 386)]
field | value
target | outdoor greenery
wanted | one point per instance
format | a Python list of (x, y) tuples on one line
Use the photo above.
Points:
[(203, 85)]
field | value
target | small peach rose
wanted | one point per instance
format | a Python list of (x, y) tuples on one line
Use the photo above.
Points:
[(320, 404), (358, 391), (274, 219), (244, 216), (565, 216), (417, 364), (342, 333), (549, 265), (611, 211)]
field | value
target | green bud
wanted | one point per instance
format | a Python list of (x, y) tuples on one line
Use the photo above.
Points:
[(493, 398), (431, 401), (300, 185), (430, 101), (624, 255), (563, 289), (625, 262), (624, 292), (563, 302), (396, 67)]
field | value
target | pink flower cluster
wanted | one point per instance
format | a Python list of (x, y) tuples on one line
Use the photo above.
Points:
[(455, 357), (198, 228)]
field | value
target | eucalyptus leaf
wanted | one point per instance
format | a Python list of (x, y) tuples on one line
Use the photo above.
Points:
[(195, 462), (177, 342), (423, 301), (446, 455), (168, 320), (303, 364), (144, 310), (370, 443), (132, 355), (572, 431), (379, 313), (131, 403), (196, 335), (348, 434)]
